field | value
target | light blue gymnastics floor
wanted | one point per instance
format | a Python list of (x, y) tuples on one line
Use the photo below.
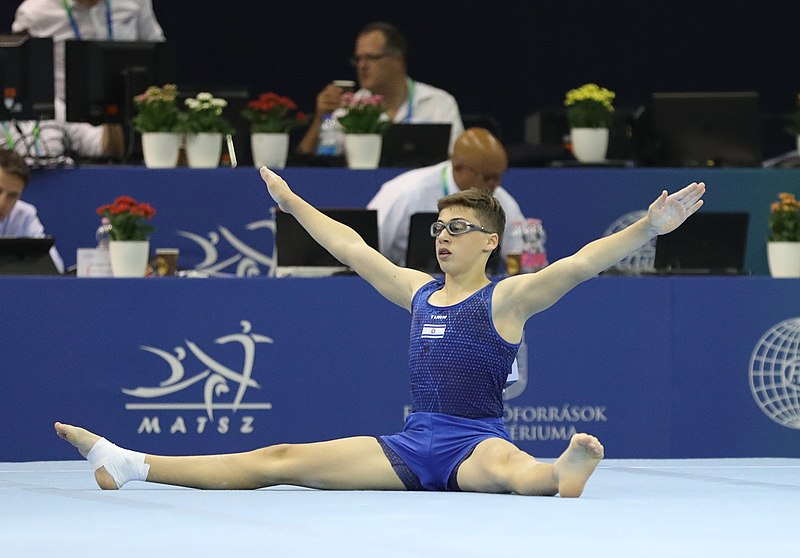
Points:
[(637, 508)]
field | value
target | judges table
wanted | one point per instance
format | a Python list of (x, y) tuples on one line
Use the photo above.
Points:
[(220, 219), (656, 367)]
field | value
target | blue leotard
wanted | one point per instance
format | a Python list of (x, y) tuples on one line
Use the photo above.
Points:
[(458, 366)]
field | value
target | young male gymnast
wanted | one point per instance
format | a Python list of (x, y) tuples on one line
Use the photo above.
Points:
[(465, 333)]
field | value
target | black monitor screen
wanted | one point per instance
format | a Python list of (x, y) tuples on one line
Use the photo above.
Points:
[(26, 78), (707, 129), (102, 77)]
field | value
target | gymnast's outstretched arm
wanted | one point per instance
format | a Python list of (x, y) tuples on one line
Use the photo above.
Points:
[(397, 284), (519, 297)]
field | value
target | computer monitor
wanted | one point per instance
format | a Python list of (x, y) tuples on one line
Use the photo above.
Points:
[(26, 78), (707, 243), (102, 77), (706, 129)]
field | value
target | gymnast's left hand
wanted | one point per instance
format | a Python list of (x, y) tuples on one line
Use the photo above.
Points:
[(669, 211)]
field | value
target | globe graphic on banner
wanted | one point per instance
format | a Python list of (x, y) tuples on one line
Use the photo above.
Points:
[(775, 373)]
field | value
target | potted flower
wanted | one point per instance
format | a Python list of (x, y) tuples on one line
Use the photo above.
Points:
[(271, 119), (589, 111), (204, 127), (364, 122), (129, 246), (783, 246), (157, 120)]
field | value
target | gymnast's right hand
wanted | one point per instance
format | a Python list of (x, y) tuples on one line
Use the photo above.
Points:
[(277, 188)]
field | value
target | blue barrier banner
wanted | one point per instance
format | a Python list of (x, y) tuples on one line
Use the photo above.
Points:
[(655, 367)]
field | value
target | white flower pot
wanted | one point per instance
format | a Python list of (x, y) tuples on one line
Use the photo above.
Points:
[(203, 150), (589, 145), (160, 149), (129, 257), (363, 151), (269, 149), (783, 259)]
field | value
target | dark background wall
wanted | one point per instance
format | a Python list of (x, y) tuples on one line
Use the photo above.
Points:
[(506, 58)]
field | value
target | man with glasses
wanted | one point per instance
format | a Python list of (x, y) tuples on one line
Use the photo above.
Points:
[(478, 161), (380, 63)]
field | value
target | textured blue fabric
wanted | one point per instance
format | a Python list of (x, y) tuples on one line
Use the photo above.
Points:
[(458, 363), (432, 445)]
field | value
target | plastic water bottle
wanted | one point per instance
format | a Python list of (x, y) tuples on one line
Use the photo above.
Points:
[(534, 255), (103, 234), (329, 144)]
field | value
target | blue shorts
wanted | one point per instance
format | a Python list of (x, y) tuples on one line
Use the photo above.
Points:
[(427, 453)]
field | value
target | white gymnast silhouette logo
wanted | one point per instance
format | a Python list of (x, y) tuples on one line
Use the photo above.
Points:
[(775, 373), (216, 377), (248, 260)]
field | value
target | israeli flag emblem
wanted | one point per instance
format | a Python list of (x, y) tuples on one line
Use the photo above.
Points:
[(433, 331)]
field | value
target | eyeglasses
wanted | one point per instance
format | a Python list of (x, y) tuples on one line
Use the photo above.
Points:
[(355, 60), (456, 227)]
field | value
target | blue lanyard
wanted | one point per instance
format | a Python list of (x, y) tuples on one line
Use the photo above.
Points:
[(412, 89), (74, 23)]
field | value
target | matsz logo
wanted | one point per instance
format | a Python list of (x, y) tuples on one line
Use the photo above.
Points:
[(775, 373), (214, 387), (247, 262)]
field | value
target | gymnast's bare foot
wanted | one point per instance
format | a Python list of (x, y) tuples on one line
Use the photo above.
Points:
[(577, 464), (84, 440)]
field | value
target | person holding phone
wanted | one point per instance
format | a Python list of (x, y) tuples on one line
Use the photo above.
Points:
[(379, 58)]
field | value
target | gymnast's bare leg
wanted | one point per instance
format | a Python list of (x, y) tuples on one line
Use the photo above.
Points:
[(347, 464), (356, 464), (500, 467)]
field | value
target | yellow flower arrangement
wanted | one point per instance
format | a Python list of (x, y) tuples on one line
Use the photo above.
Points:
[(589, 106)]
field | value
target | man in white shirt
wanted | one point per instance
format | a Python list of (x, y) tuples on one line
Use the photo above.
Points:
[(380, 62), (118, 20), (18, 218), (478, 161)]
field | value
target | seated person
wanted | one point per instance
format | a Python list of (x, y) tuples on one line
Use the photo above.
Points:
[(18, 218), (51, 143), (380, 62), (59, 140), (478, 161)]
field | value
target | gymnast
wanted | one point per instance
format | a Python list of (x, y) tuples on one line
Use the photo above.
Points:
[(465, 332)]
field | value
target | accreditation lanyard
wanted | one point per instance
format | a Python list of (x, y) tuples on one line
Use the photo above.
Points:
[(74, 23), (444, 180), (11, 142), (412, 89)]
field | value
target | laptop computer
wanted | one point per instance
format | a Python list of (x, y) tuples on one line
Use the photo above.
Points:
[(298, 255), (707, 243), (421, 248), (415, 145), (26, 256)]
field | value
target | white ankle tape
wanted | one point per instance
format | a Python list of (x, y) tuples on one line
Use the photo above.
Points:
[(123, 465)]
